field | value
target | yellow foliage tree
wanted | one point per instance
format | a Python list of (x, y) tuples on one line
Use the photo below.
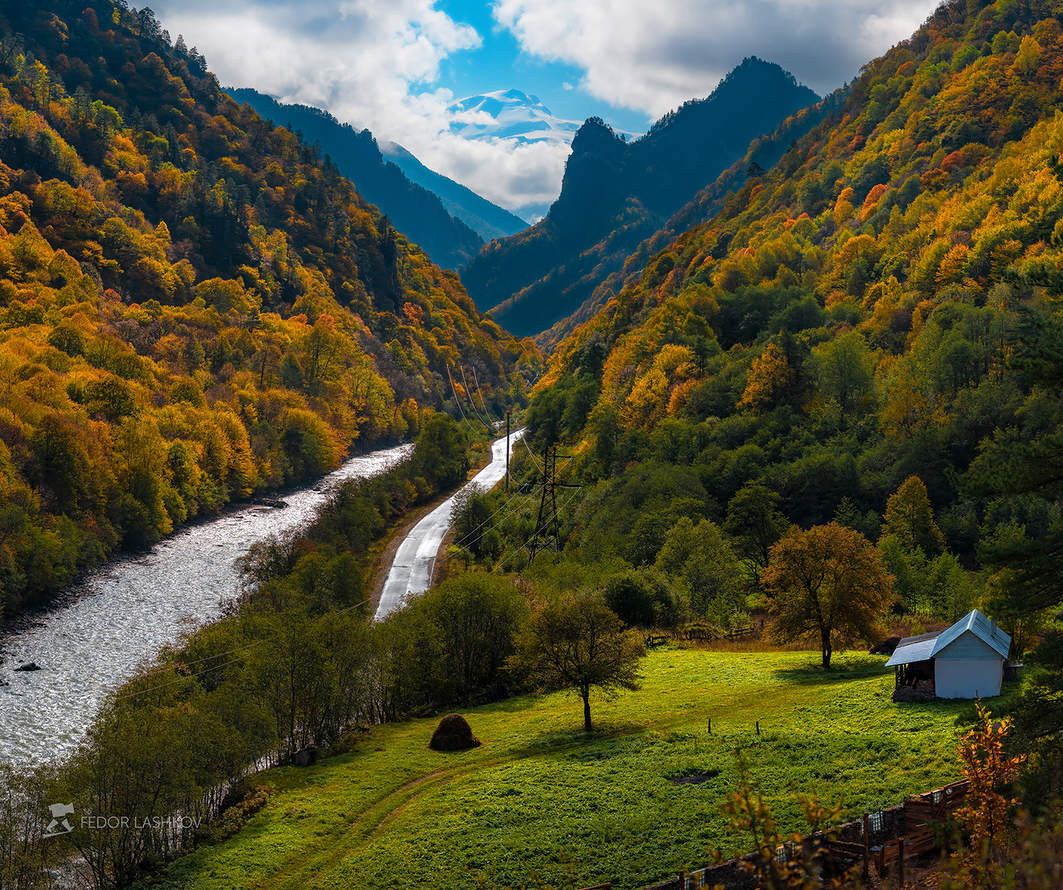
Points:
[(769, 378)]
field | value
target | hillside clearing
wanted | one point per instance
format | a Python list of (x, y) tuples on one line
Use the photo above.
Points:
[(540, 804)]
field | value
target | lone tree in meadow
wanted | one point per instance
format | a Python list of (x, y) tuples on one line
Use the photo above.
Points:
[(827, 582), (578, 643)]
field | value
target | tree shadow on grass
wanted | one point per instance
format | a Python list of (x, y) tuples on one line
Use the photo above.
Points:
[(842, 669), (522, 702), (560, 741)]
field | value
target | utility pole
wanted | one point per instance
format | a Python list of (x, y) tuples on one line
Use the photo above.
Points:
[(549, 484), (555, 522), (507, 452)]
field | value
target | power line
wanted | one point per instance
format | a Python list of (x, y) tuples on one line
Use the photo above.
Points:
[(510, 505), (213, 667), (549, 484), (472, 401), (483, 401), (549, 481), (510, 502), (514, 550), (454, 390), (531, 454)]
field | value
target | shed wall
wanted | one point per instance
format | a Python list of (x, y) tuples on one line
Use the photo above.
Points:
[(968, 678), (967, 646)]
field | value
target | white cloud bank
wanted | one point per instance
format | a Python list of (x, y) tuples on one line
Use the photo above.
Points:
[(654, 56), (371, 64), (376, 63)]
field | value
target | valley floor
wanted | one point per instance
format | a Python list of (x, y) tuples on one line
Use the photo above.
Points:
[(540, 804)]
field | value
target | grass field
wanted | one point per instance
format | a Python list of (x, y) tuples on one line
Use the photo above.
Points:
[(541, 805)]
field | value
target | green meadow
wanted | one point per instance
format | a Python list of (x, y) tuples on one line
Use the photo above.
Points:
[(540, 804)]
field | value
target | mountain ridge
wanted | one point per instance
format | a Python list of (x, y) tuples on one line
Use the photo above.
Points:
[(877, 314), (416, 211), (615, 186), (485, 218), (194, 305), (612, 263)]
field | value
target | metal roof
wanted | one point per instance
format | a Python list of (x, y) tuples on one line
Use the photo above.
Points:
[(913, 649), (986, 630), (926, 646)]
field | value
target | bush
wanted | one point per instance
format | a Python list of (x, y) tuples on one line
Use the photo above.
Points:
[(642, 599)]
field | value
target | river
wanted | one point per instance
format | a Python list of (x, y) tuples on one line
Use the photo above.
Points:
[(121, 615)]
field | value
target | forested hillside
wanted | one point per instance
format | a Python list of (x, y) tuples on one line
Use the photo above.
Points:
[(870, 333), (615, 194), (193, 306), (413, 210), (608, 265)]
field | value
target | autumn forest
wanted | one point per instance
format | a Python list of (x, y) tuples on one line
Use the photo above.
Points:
[(784, 376), (196, 306)]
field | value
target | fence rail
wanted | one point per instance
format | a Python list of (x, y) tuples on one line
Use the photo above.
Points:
[(708, 634), (883, 840)]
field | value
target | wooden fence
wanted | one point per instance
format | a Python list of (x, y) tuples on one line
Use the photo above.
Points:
[(709, 634), (881, 842)]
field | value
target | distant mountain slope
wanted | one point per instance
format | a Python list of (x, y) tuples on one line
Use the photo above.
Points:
[(488, 220), (416, 211), (615, 194), (883, 303)]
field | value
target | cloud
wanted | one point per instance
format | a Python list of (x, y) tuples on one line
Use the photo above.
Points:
[(372, 64), (377, 63), (654, 56)]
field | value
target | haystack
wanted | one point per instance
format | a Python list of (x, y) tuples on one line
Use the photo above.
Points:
[(453, 734)]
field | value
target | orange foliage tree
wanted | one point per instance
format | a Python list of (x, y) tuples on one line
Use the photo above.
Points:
[(827, 583)]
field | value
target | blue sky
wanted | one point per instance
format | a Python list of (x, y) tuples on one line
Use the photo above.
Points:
[(397, 66)]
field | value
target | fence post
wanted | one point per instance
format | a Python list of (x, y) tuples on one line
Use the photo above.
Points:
[(682, 879), (867, 847), (900, 862)]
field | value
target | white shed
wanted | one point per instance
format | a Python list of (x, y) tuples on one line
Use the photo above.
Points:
[(963, 661)]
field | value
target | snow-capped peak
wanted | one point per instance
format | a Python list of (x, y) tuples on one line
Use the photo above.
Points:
[(509, 114)]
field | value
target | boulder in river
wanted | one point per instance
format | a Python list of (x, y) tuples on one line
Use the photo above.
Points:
[(453, 734), (272, 503), (29, 666)]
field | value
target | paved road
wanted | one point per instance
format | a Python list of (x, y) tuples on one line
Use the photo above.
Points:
[(411, 572)]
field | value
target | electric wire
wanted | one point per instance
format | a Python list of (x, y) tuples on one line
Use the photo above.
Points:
[(454, 390), (212, 667)]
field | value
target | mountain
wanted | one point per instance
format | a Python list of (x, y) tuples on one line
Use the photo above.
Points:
[(621, 192), (515, 116), (870, 333), (608, 265), (486, 219), (416, 211), (194, 306), (509, 114)]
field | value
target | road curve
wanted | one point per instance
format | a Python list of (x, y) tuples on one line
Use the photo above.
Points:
[(411, 572)]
